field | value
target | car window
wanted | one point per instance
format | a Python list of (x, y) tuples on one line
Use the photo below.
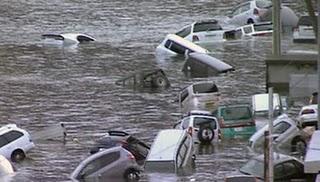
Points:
[(235, 113), (253, 167), (184, 32), (236, 11), (12, 135), (281, 127), (204, 122), (99, 163), (175, 47), (206, 26), (3, 141), (185, 123), (291, 169), (205, 88), (263, 4)]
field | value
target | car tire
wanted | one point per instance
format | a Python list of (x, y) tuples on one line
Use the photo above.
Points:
[(298, 145), (250, 21), (17, 155), (132, 175), (206, 135), (159, 81)]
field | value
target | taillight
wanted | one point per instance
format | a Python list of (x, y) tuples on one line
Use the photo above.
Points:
[(195, 38), (131, 157), (255, 11), (308, 111), (190, 129), (219, 134)]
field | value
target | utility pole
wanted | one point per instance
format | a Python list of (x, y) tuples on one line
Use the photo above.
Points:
[(270, 141), (318, 71), (276, 23)]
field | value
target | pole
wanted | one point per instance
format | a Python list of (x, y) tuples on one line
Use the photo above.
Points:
[(270, 166), (276, 23), (311, 12), (318, 38)]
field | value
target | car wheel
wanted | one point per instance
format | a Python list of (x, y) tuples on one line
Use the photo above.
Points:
[(250, 21), (17, 156), (159, 81), (299, 146), (206, 135), (132, 175)]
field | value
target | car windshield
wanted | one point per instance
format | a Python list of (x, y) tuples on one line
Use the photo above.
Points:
[(235, 113), (206, 26), (263, 3), (205, 88), (204, 122), (305, 21), (184, 32), (253, 167)]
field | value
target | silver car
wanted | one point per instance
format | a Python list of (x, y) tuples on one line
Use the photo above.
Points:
[(113, 164), (249, 12)]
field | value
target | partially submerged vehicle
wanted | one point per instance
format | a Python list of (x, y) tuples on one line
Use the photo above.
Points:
[(256, 29), (204, 31), (202, 126), (308, 116), (115, 163), (249, 12), (285, 168), (115, 138), (260, 104), (153, 78), (304, 32), (69, 38), (236, 120), (312, 158), (204, 65), (172, 150), (14, 142), (6, 169), (174, 45), (287, 137), (199, 96)]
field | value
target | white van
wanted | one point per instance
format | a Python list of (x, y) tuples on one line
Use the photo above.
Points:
[(174, 45), (171, 150)]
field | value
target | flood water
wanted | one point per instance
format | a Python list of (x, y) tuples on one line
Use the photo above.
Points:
[(44, 84)]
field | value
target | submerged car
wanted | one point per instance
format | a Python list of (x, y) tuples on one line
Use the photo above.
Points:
[(260, 104), (249, 12), (204, 31), (113, 164), (174, 45), (287, 137), (138, 148), (69, 38), (199, 96), (308, 116), (304, 32), (202, 126), (236, 120), (171, 151), (14, 142), (256, 29), (286, 168)]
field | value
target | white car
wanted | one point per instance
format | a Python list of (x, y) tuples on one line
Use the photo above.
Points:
[(287, 137), (202, 126), (304, 32), (69, 38), (14, 142), (202, 95), (308, 115), (174, 45), (205, 31), (249, 12)]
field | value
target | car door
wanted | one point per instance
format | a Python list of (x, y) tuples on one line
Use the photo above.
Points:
[(287, 171)]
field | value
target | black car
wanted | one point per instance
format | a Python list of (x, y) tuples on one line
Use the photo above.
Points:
[(138, 148)]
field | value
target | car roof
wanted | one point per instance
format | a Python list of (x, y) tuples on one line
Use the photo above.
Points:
[(165, 145), (8, 127), (186, 43)]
